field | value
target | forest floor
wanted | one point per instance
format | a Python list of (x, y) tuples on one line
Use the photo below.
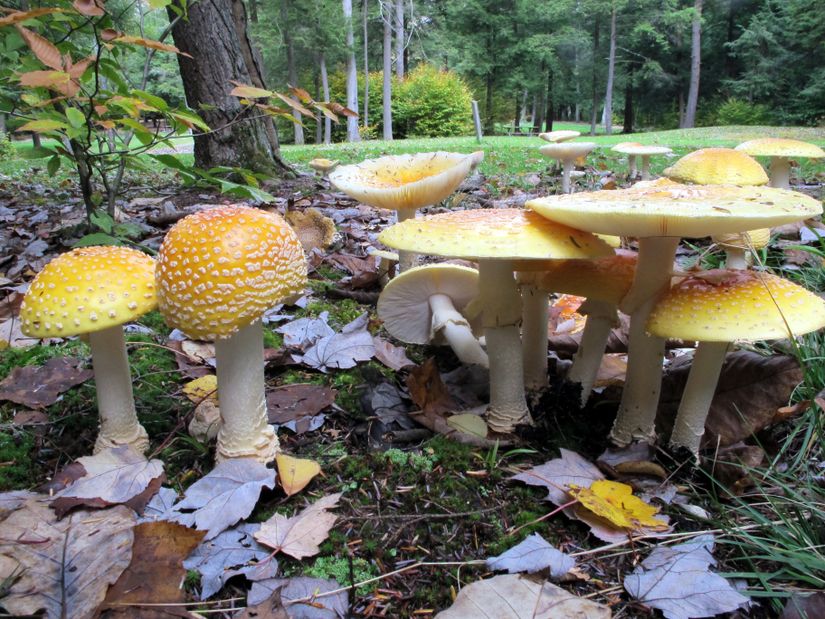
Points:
[(421, 512)]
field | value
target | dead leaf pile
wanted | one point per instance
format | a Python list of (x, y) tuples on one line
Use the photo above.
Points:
[(300, 535), (41, 386)]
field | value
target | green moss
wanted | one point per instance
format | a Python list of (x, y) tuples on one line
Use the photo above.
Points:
[(17, 469), (341, 311), (154, 320), (452, 455), (339, 569), (11, 358), (273, 339), (328, 272)]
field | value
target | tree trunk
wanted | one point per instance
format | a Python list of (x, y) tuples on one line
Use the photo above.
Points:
[(611, 67), (365, 16), (292, 74), (253, 11), (387, 77), (535, 115), (517, 115), (627, 122), (400, 38), (319, 128), (239, 135), (695, 66), (548, 115), (488, 103), (352, 76), (594, 114), (325, 87)]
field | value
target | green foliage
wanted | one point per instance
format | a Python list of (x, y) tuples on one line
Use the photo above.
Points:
[(7, 150), (339, 569), (432, 103), (735, 111), (16, 454), (420, 462)]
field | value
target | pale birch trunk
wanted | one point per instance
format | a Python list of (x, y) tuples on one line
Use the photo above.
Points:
[(611, 69), (695, 66), (352, 76)]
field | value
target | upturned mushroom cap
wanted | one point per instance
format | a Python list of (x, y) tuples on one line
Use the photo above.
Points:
[(717, 166), (89, 289), (671, 209), (642, 149), (220, 269), (405, 182), (323, 165), (620, 147), (780, 147), (493, 233), (404, 303), (726, 305), (567, 150), (559, 136)]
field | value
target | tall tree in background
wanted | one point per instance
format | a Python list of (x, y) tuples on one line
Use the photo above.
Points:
[(611, 72), (400, 38), (386, 18), (292, 74), (352, 75), (365, 10), (695, 66)]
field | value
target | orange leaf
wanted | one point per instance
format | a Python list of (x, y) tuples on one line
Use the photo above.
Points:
[(150, 43), (250, 92), (46, 53), (337, 108), (293, 104), (615, 502), (295, 473), (18, 16), (77, 70), (109, 34), (302, 94), (90, 8)]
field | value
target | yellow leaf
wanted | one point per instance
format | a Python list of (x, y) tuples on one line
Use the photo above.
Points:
[(18, 16), (295, 473), (205, 387), (249, 92), (615, 503)]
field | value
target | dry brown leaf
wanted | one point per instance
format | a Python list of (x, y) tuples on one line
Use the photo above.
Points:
[(90, 8), (295, 406), (394, 357), (300, 535), (19, 16), (43, 49), (427, 389), (41, 386)]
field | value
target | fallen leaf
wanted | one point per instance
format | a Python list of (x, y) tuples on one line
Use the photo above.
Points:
[(294, 474), (474, 425), (160, 505), (298, 597), (225, 495), (300, 535), (677, 581), (62, 566), (186, 366), (234, 552), (304, 332), (41, 386), (735, 466), (394, 357), (387, 404), (30, 418), (533, 555), (615, 502), (200, 389), (427, 389), (270, 608), (559, 474), (511, 596), (612, 370), (297, 407), (342, 350), (804, 606), (198, 352)]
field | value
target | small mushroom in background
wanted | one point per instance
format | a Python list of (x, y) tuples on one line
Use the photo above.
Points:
[(387, 263), (781, 151), (218, 271), (94, 291), (323, 166), (424, 305), (631, 159), (739, 246), (559, 136), (567, 153), (645, 152), (314, 229), (405, 183), (718, 307)]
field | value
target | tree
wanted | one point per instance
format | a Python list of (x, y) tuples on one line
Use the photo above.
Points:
[(611, 71), (365, 9), (386, 17), (400, 38), (286, 28), (695, 66), (352, 76)]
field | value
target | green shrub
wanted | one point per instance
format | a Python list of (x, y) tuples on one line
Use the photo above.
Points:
[(6, 148), (432, 103), (735, 111)]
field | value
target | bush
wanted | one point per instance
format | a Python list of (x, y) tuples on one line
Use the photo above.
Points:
[(735, 111), (6, 148), (432, 103)]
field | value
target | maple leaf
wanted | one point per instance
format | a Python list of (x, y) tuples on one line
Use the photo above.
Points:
[(615, 502), (297, 595), (532, 555), (300, 535), (342, 350)]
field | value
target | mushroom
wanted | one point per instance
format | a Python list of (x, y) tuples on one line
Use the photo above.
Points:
[(314, 229), (405, 183), (717, 307), (659, 214), (631, 159), (495, 238), (218, 271), (387, 261), (425, 304), (94, 291), (324, 166), (559, 136), (645, 152), (566, 153), (781, 150)]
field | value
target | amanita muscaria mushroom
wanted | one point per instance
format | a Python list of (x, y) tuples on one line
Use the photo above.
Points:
[(566, 153), (659, 214), (424, 304), (405, 183), (495, 238), (718, 307), (218, 271), (94, 291), (781, 151)]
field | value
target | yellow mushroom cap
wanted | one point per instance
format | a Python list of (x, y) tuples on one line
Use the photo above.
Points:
[(323, 165), (89, 289), (492, 233), (220, 269), (619, 148), (559, 136), (717, 166), (780, 147), (671, 209), (723, 306), (405, 182), (752, 239)]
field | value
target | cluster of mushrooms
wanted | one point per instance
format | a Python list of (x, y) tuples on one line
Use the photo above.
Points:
[(220, 269)]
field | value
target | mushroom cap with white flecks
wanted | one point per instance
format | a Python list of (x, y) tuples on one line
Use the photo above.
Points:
[(665, 208), (404, 303), (780, 147), (717, 166), (567, 150), (559, 136), (405, 182), (89, 289), (504, 234), (222, 268), (726, 305)]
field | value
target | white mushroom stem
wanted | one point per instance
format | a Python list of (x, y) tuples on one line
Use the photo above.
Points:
[(406, 259), (645, 167), (244, 430), (640, 397), (698, 395), (632, 164), (501, 316), (536, 313), (456, 330), (736, 258), (780, 172), (601, 318), (118, 422), (566, 167)]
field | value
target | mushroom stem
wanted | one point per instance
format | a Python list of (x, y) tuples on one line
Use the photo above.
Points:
[(631, 173), (456, 330), (406, 259), (536, 313), (780, 172), (645, 167), (698, 395), (601, 318), (244, 429), (640, 397), (501, 316), (566, 168), (736, 258), (118, 422)]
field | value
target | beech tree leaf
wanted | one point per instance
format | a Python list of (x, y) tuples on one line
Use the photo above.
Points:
[(62, 567), (677, 581), (304, 332), (227, 494), (533, 554), (294, 474), (231, 553), (202, 388), (290, 590), (468, 423), (559, 474), (41, 386), (43, 49), (300, 535), (511, 596)]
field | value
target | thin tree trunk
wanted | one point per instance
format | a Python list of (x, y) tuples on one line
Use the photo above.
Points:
[(365, 16), (387, 74), (695, 66), (517, 114), (400, 38), (319, 128), (627, 123), (253, 11), (325, 87), (352, 76), (488, 103), (292, 74), (611, 67), (594, 94), (548, 115), (535, 115)]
